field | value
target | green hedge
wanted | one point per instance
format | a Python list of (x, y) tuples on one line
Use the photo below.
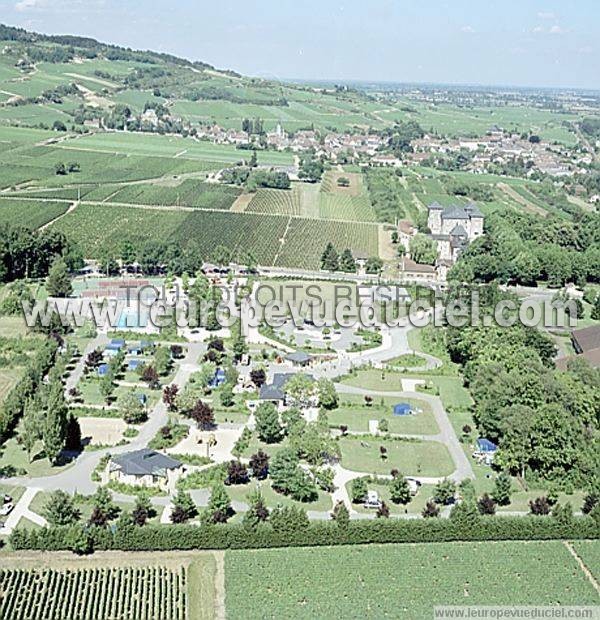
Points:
[(236, 536)]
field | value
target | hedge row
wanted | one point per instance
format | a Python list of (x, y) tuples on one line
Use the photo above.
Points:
[(237, 536), (14, 402)]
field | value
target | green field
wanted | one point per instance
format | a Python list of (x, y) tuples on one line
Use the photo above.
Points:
[(401, 581), (411, 457), (98, 227), (30, 214)]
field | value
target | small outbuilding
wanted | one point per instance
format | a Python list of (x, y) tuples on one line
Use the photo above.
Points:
[(298, 358), (134, 364), (102, 370), (218, 379), (485, 445)]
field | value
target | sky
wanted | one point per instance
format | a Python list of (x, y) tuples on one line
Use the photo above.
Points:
[(502, 42)]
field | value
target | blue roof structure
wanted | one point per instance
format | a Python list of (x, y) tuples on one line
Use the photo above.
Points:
[(115, 345), (134, 364), (402, 409), (142, 398), (485, 445), (102, 370), (218, 379)]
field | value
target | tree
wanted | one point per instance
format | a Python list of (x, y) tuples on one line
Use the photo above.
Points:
[(486, 505), (465, 515), (150, 376), (131, 408), (104, 509), (444, 492), (330, 258), (170, 396), (502, 488), (340, 514), (374, 265), (423, 249), (289, 520), (142, 510), (219, 506), (399, 490), (347, 262), (358, 490), (282, 469), (203, 415), (596, 309), (267, 423), (258, 376), (60, 509), (184, 508), (29, 430), (59, 126), (54, 429), (300, 388), (259, 464), (383, 512), (58, 282), (60, 168), (237, 473), (73, 434), (226, 395), (539, 506), (162, 361), (431, 510), (328, 396), (257, 509)]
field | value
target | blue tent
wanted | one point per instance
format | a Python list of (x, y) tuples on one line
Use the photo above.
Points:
[(402, 409), (115, 345), (142, 398), (218, 379), (485, 445), (102, 370), (134, 364)]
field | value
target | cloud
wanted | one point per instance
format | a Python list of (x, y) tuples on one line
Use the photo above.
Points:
[(468, 29), (556, 29), (25, 5), (546, 15)]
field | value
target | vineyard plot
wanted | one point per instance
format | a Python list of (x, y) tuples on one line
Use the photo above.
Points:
[(135, 593)]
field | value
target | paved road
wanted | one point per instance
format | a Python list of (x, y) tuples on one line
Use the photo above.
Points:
[(447, 436), (21, 509), (77, 478)]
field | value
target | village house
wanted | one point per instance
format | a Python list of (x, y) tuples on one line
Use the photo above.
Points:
[(146, 468)]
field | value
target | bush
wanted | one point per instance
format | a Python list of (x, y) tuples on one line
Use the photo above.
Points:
[(292, 528)]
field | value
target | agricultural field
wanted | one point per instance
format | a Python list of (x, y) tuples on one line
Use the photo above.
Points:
[(100, 227), (345, 203), (30, 214), (189, 193), (160, 586), (171, 147), (457, 121), (347, 582)]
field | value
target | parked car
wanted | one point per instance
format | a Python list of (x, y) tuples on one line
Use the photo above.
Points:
[(4, 510), (7, 498), (372, 500)]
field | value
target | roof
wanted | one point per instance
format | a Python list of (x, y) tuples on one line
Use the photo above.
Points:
[(102, 369), (410, 265), (454, 212), (587, 338), (485, 445), (275, 390), (435, 206), (592, 357), (473, 210), (459, 231), (298, 357), (145, 462)]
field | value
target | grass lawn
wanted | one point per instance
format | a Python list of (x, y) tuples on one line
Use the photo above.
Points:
[(519, 500), (411, 457), (415, 506), (408, 360), (14, 491), (451, 391), (12, 326), (11, 453), (353, 413), (348, 582), (272, 498), (376, 380)]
